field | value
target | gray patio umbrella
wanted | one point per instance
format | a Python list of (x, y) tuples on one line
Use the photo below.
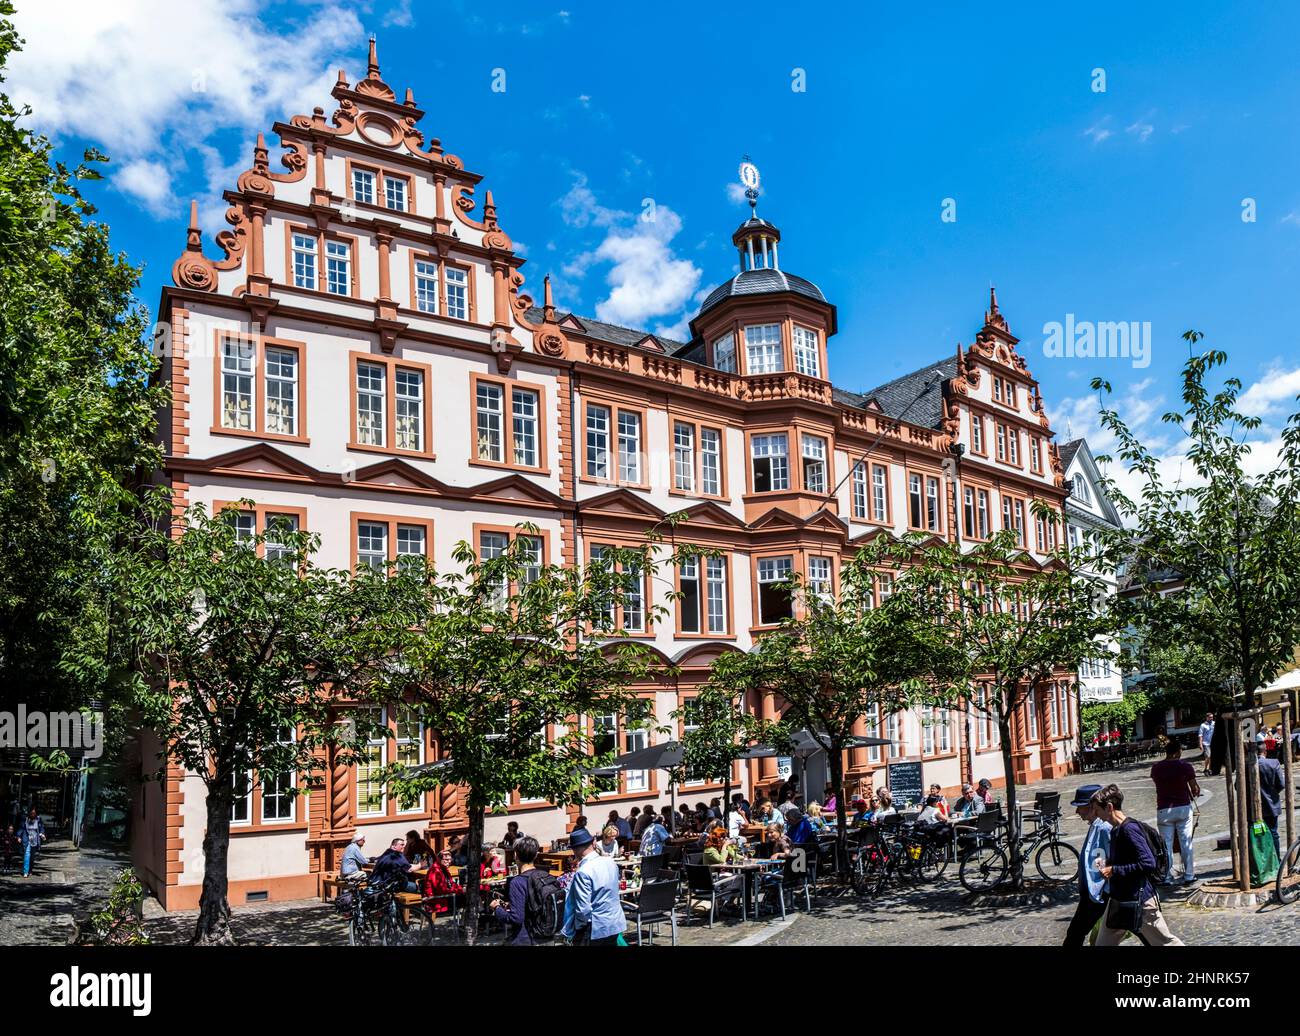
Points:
[(664, 756)]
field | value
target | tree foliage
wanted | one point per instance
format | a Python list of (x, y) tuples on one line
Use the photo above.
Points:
[(241, 649), (76, 416), (1223, 534)]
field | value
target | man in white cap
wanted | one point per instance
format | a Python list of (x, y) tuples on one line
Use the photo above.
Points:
[(353, 857)]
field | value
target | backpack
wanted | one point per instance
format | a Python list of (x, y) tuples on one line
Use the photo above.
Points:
[(1158, 850), (543, 906)]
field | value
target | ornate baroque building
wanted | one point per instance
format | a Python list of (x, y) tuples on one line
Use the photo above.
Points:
[(364, 358)]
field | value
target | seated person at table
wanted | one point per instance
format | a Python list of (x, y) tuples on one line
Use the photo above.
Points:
[(829, 801), (608, 844), (777, 843), (701, 816), (457, 846), (930, 814), (942, 804), (715, 809), (968, 806), (685, 818), (738, 803), (764, 813), (439, 883), (709, 827), (647, 817), (861, 812), (790, 809), (718, 849), (622, 828), (654, 838), (570, 868), (514, 915), (736, 819), (417, 850), (633, 819), (985, 791), (884, 806), (579, 824), (354, 858), (815, 818), (512, 835), (802, 831), (393, 866)]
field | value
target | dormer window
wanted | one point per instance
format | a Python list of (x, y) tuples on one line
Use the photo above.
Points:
[(763, 349), (724, 353), (1080, 490)]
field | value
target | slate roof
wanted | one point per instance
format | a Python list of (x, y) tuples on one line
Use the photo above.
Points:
[(916, 398), (761, 282), (611, 333), (1067, 452)]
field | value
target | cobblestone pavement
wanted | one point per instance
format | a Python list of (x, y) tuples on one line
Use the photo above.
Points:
[(68, 883)]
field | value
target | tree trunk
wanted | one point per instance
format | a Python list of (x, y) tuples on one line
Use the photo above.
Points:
[(1013, 814), (470, 879), (836, 761), (213, 926)]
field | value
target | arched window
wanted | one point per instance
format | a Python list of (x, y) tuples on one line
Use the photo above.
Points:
[(1080, 490)]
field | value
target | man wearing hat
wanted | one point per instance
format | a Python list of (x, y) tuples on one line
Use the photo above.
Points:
[(593, 915), (1092, 886), (354, 857)]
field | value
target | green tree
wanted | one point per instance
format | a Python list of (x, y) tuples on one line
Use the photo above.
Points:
[(999, 626), (507, 660), (837, 659), (76, 416), (1224, 536), (241, 648)]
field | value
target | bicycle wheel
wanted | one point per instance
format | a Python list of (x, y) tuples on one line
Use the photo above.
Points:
[(390, 928), (360, 931), (1057, 862), (1288, 875), (933, 863), (983, 868)]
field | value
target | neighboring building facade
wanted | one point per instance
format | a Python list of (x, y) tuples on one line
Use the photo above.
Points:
[(363, 359), (1088, 513)]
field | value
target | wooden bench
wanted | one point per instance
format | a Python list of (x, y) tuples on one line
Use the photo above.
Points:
[(329, 885), (406, 902)]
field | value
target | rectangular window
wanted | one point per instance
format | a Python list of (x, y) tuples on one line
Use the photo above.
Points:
[(635, 739), (688, 585), (631, 595), (1006, 513), (819, 577), (968, 510), (304, 261), (629, 446), (715, 585), (426, 286), (724, 353), (997, 389), (457, 293), (237, 360), (370, 788), (1035, 454), (805, 352), (277, 789), (372, 546), (894, 733), (408, 746), (1020, 522), (488, 421), (1013, 446), (927, 730), (338, 268), (813, 448), (370, 404), (859, 490), (710, 461), (492, 545), (774, 600), (240, 807), (915, 502), (409, 409), (524, 407), (880, 493), (281, 390), (1002, 440), (275, 524), (395, 193), (933, 505), (983, 507), (684, 457), (411, 543), (597, 441), (873, 730), (771, 459), (981, 717), (1054, 712), (363, 186), (976, 432), (1040, 534), (763, 349)]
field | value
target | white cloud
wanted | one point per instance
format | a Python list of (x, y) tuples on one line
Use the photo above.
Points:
[(645, 277), (149, 183), (1292, 217), (1273, 397), (400, 15), (1098, 131), (736, 193), (1141, 128), (152, 80)]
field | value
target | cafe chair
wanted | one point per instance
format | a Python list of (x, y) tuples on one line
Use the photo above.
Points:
[(652, 867), (700, 886), (656, 903)]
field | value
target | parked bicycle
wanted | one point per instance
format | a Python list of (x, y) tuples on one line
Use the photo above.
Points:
[(372, 915), (985, 860), (1288, 875)]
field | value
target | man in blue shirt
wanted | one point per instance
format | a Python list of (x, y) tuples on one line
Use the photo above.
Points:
[(593, 915), (623, 828), (354, 857), (1092, 886), (654, 838)]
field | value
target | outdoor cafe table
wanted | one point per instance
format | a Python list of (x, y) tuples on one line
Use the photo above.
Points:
[(749, 870)]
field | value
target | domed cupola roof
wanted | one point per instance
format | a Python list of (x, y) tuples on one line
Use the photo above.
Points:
[(761, 282)]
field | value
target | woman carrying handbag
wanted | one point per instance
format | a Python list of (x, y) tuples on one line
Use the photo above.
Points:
[(1133, 906)]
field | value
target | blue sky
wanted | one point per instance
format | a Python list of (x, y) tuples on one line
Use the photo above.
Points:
[(1122, 205)]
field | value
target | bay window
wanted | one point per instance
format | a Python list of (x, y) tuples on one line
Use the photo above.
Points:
[(763, 349), (724, 353), (771, 462), (806, 360), (813, 450), (774, 599)]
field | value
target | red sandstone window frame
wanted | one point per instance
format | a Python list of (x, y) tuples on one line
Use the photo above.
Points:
[(729, 632), (258, 431), (620, 742), (982, 450), (391, 365), (382, 174), (392, 521), (697, 427), (321, 236), (256, 824), (262, 514), (613, 406), (647, 632), (508, 386), (511, 533)]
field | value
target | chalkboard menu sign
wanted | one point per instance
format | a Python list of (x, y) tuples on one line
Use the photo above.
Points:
[(905, 784)]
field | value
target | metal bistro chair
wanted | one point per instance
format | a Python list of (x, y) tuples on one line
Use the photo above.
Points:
[(804, 880), (787, 879), (701, 886), (652, 867), (656, 904)]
